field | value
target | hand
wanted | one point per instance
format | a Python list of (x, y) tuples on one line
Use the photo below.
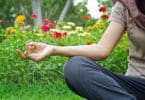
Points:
[(36, 51)]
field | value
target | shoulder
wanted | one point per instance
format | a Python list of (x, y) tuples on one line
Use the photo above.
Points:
[(119, 5), (119, 13)]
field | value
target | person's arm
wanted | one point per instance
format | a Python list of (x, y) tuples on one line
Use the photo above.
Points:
[(98, 51)]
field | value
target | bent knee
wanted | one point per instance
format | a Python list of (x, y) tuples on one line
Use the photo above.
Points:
[(73, 66), (78, 62)]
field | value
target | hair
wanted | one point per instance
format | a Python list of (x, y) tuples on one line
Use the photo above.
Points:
[(140, 4)]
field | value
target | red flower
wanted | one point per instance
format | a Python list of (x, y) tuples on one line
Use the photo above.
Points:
[(58, 35), (45, 28), (48, 22), (65, 33), (102, 8), (105, 16), (34, 16)]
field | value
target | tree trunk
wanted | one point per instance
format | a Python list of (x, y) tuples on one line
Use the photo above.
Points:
[(36, 9), (21, 8), (65, 10)]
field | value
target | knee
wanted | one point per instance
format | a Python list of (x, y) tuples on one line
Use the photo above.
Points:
[(73, 66)]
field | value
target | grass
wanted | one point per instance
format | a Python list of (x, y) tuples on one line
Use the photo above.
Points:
[(38, 91)]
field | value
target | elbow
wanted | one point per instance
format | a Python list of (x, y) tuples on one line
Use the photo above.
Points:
[(104, 55), (100, 52)]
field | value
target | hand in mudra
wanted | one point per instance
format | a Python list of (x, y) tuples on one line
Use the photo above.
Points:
[(36, 51)]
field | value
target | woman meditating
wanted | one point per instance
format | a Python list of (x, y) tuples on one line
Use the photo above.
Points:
[(90, 80)]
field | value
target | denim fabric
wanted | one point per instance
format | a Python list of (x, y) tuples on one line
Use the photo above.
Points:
[(89, 80)]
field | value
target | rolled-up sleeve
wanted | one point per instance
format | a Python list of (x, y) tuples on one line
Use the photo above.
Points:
[(118, 14)]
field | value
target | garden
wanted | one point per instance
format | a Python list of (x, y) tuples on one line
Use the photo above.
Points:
[(22, 79)]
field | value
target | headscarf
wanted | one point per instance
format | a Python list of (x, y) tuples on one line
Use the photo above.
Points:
[(136, 14)]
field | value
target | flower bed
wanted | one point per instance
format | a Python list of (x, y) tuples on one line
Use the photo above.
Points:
[(14, 69)]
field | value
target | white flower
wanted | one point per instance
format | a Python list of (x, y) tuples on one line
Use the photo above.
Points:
[(79, 29), (71, 24), (72, 32), (66, 27), (83, 34), (54, 30)]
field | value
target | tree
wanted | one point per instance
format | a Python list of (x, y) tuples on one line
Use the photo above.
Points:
[(36, 9), (65, 10), (51, 9), (76, 13)]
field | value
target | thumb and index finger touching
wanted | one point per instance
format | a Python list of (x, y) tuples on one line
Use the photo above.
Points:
[(29, 46)]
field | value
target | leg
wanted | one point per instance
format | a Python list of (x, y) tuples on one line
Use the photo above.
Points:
[(85, 77)]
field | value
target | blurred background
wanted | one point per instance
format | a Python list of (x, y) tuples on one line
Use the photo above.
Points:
[(55, 22), (58, 10)]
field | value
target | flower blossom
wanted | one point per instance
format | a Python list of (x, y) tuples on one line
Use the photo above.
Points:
[(99, 24), (20, 19), (45, 28), (104, 16), (102, 8), (86, 18), (11, 30), (57, 35), (89, 28), (83, 34), (71, 24), (79, 29), (34, 16), (66, 27), (48, 22)]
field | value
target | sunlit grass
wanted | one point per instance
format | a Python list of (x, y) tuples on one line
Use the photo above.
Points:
[(52, 91)]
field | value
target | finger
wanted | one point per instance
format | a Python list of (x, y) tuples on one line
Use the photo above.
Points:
[(29, 49), (31, 43), (21, 54), (25, 54), (30, 46)]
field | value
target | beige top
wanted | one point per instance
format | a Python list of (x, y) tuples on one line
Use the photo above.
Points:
[(136, 65)]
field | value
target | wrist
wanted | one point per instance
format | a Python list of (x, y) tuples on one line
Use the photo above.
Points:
[(54, 50)]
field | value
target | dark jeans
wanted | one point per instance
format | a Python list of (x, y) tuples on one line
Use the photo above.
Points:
[(89, 80)]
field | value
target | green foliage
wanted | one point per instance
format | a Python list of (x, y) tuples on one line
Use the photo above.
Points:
[(31, 80), (14, 69), (76, 13), (51, 9), (11, 8), (117, 61), (6, 11), (107, 3), (37, 91), (2, 31)]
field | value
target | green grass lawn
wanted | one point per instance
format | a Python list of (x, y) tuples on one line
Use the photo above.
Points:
[(52, 91)]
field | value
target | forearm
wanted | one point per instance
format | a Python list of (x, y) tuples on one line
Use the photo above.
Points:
[(95, 52)]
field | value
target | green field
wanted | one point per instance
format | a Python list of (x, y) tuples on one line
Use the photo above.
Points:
[(52, 91)]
